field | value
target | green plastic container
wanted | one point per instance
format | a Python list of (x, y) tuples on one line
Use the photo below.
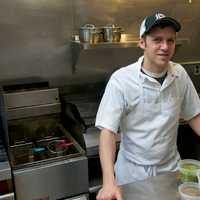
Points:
[(188, 170)]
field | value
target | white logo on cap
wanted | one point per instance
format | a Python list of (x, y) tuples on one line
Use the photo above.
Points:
[(159, 16)]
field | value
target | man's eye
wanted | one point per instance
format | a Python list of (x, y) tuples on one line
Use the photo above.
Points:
[(171, 41), (157, 39)]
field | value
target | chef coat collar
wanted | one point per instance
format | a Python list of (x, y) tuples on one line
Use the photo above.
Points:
[(172, 73)]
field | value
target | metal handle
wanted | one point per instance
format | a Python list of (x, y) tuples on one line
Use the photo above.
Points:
[(118, 31), (9, 196), (110, 26), (89, 26)]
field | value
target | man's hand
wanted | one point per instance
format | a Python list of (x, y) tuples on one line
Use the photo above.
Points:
[(109, 192)]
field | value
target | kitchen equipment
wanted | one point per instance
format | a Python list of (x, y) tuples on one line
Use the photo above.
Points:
[(59, 147), (188, 141), (83, 107), (91, 34), (34, 123), (112, 33), (83, 104), (6, 186), (193, 70), (188, 170), (189, 191)]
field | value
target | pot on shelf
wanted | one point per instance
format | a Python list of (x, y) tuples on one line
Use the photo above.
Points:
[(91, 34), (112, 33)]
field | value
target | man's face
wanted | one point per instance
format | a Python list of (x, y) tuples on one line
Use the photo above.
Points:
[(159, 47)]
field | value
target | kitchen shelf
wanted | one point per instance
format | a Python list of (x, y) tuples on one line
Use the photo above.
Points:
[(123, 44), (87, 46), (127, 41)]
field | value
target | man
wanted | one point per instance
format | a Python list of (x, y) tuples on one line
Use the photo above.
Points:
[(144, 102)]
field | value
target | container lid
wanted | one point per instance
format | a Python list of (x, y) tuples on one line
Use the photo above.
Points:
[(189, 166), (88, 26), (112, 26)]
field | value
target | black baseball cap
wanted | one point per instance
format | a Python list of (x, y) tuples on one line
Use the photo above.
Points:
[(158, 18)]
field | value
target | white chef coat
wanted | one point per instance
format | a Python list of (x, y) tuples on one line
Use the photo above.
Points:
[(146, 114)]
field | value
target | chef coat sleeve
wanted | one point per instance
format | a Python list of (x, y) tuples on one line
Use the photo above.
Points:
[(191, 101), (111, 107)]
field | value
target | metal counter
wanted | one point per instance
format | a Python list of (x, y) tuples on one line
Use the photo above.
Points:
[(162, 187), (5, 171), (92, 141)]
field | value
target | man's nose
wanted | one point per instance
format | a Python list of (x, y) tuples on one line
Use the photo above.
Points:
[(164, 45)]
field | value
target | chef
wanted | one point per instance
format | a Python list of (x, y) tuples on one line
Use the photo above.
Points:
[(143, 102)]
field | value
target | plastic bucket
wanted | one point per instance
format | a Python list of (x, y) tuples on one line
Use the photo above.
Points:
[(189, 191), (188, 170)]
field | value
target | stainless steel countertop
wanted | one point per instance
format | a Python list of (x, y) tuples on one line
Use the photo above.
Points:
[(161, 187), (92, 141), (5, 171)]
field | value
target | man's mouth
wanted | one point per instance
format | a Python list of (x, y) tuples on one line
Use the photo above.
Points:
[(164, 55)]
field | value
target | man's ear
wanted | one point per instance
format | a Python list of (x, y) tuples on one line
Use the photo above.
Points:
[(141, 43)]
